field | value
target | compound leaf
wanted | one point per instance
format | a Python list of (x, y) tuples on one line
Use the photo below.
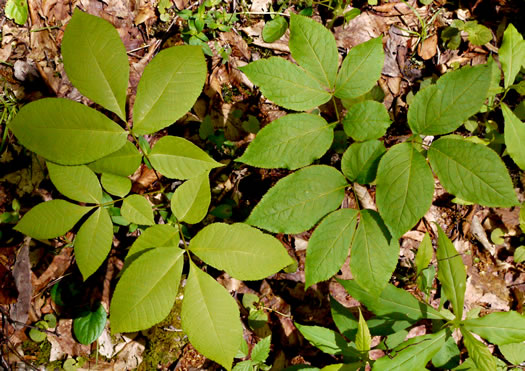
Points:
[(191, 200), (51, 219), (89, 325), (443, 107), (210, 318), (478, 352), (179, 158), (78, 183), (374, 253), (360, 69), (66, 132), (360, 161), (472, 172), (286, 84), (366, 120), (415, 354), (511, 54), (329, 245), (299, 200), (147, 289), (168, 88), (123, 162), (115, 184), (290, 142), (405, 186), (514, 136), (451, 272), (96, 62), (242, 251), (313, 47), (136, 209), (93, 242), (499, 328)]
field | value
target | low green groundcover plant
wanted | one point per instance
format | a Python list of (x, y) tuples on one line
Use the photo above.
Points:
[(79, 142), (89, 158)]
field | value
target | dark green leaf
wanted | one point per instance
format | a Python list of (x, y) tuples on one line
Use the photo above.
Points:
[(88, 326)]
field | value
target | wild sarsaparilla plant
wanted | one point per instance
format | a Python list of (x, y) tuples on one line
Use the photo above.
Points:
[(403, 174), (79, 142)]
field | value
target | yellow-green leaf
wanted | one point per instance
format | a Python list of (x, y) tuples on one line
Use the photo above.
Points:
[(79, 183), (136, 209), (210, 318), (93, 242), (191, 200), (168, 88), (96, 62), (51, 219), (242, 251)]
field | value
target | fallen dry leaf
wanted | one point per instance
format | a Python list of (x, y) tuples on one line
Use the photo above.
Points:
[(22, 273), (428, 48)]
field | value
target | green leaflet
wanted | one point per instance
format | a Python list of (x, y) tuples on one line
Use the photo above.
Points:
[(451, 273), (51, 219), (137, 209), (16, 10), (210, 318), (327, 340), (313, 47), (448, 356), (415, 353), (374, 253), (290, 142), (299, 200), (89, 325), (286, 84), (93, 242), (168, 88), (179, 158), (499, 328), (96, 62), (393, 303), (363, 339), (191, 200), (511, 54), (145, 296), (514, 353), (261, 350), (328, 246), (123, 162), (366, 120), (514, 136), (115, 185), (472, 172), (477, 33), (343, 319), (360, 69), (242, 251), (478, 352), (443, 107), (360, 161), (274, 29), (159, 235), (78, 183), (424, 254), (66, 132), (405, 186)]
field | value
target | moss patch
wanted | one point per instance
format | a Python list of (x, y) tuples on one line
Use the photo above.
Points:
[(164, 346)]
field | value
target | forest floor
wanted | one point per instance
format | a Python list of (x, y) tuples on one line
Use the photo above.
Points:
[(223, 121)]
